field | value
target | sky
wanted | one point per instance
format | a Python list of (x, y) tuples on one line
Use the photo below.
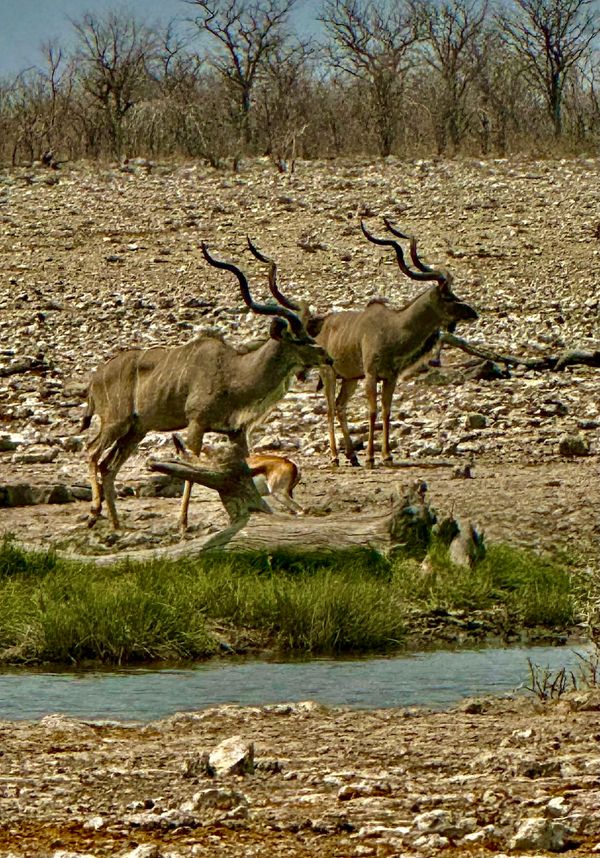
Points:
[(27, 24)]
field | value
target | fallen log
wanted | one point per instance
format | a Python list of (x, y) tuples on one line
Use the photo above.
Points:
[(233, 482), (404, 526), (555, 364)]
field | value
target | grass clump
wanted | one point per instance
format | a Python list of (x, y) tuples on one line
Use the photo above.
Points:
[(534, 590), (52, 610), (57, 611), (302, 602)]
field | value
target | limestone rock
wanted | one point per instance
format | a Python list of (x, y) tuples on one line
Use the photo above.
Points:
[(538, 833), (233, 756), (214, 799)]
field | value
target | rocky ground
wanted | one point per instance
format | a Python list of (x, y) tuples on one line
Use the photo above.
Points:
[(96, 259), (488, 778)]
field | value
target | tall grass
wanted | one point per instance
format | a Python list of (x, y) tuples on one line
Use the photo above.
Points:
[(57, 611), (533, 589)]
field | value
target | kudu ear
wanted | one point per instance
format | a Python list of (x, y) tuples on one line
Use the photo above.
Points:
[(314, 325), (278, 329)]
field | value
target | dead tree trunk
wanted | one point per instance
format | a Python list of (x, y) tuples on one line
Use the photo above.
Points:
[(567, 358), (232, 481), (405, 526)]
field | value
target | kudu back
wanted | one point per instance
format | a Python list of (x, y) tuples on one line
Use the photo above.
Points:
[(379, 343), (205, 385)]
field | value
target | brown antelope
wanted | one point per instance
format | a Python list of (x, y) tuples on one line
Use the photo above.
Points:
[(276, 476), (378, 343), (272, 475), (204, 385)]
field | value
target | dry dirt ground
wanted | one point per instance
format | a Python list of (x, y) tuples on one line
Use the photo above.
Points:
[(488, 778), (93, 259)]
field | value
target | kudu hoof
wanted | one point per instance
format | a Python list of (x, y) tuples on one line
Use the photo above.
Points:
[(335, 463), (92, 519), (370, 464), (354, 461), (388, 463)]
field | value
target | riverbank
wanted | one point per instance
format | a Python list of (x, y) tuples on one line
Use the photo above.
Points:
[(487, 777), (55, 610)]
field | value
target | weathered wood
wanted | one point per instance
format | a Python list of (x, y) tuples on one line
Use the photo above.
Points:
[(556, 363), (26, 364), (404, 527), (233, 482)]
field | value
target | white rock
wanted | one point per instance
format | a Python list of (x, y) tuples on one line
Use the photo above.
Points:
[(382, 831), (427, 842), (95, 823), (145, 850), (540, 833), (222, 799), (438, 820), (557, 806), (232, 756)]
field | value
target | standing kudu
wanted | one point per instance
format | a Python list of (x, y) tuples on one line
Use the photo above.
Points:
[(204, 385), (378, 343)]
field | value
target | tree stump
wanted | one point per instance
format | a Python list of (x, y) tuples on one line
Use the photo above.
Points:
[(231, 479)]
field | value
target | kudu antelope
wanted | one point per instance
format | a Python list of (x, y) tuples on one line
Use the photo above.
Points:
[(378, 343), (272, 475), (204, 385)]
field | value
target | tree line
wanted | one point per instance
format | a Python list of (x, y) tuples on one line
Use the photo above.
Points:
[(411, 78)]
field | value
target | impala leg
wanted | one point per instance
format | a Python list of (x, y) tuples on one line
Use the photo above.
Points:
[(387, 394), (371, 391), (195, 435), (328, 379), (346, 390), (288, 502)]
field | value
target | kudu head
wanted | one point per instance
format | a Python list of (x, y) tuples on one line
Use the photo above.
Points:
[(286, 326), (449, 307), (313, 324)]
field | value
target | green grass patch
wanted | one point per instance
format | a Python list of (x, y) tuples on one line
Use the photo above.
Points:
[(52, 610), (534, 590)]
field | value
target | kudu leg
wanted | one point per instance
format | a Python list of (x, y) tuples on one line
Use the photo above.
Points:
[(346, 390), (195, 437), (371, 392), (387, 394), (328, 378), (96, 448), (96, 507), (111, 466)]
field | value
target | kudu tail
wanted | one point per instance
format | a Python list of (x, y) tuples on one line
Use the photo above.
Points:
[(87, 417)]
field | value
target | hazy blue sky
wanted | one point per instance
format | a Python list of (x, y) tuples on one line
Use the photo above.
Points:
[(27, 24)]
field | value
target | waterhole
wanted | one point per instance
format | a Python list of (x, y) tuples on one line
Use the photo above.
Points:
[(436, 679)]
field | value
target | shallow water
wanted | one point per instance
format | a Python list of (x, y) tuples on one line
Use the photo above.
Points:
[(435, 679)]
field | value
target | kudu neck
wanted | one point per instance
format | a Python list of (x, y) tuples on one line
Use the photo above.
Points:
[(274, 358), (424, 314)]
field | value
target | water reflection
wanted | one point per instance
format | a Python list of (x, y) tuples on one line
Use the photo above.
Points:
[(434, 679)]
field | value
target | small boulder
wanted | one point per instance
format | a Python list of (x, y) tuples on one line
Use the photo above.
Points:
[(233, 756), (537, 833), (573, 445), (215, 799), (8, 443), (475, 420)]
